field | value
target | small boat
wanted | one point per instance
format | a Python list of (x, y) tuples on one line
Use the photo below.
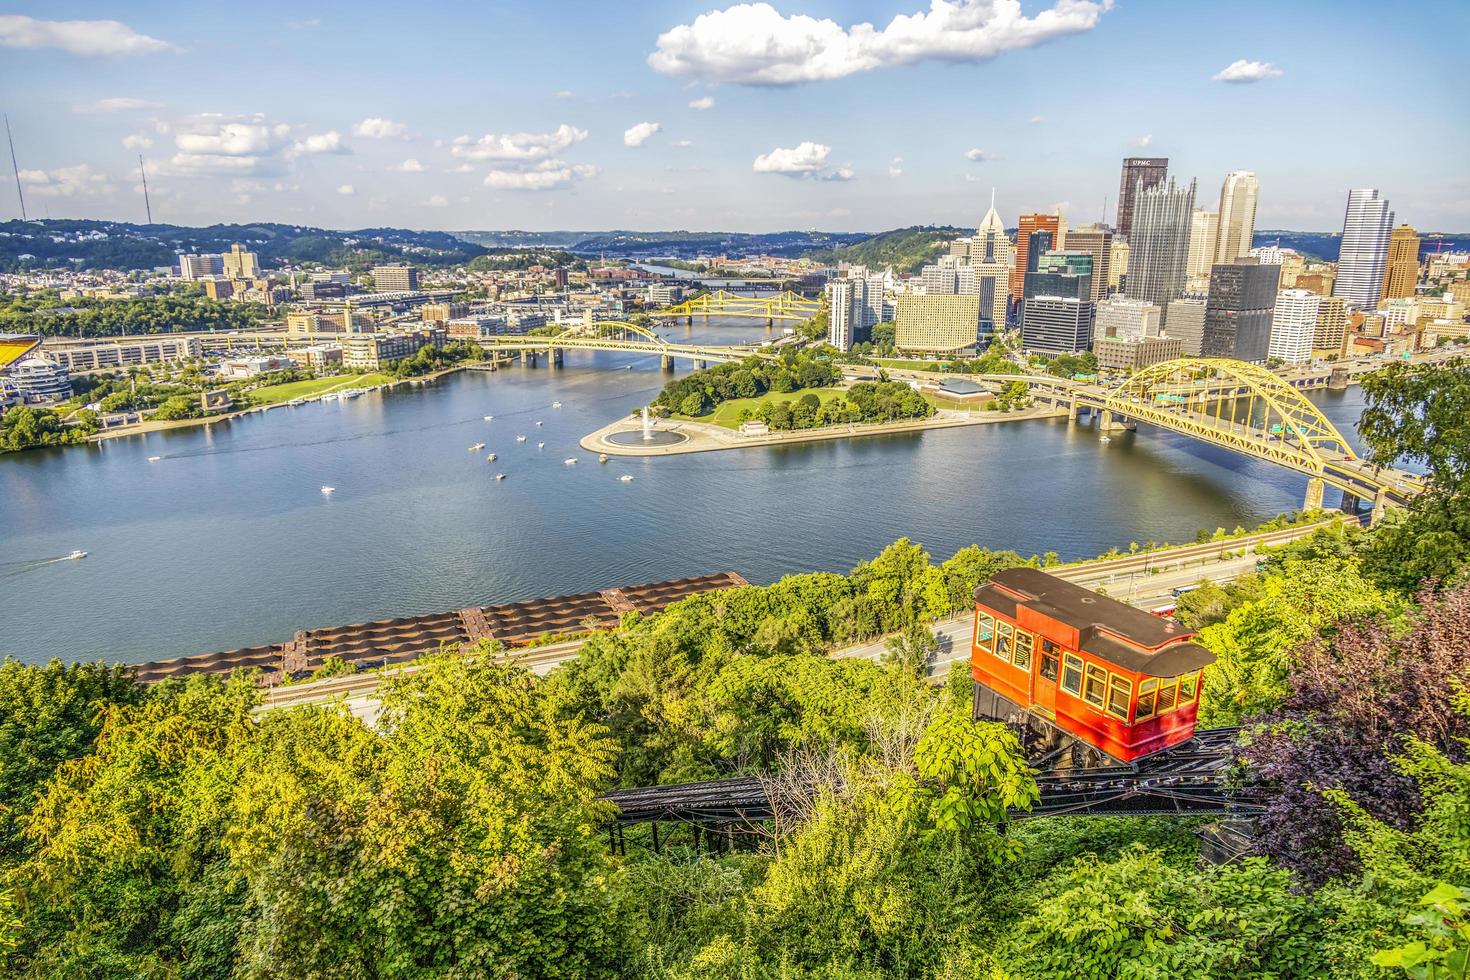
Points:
[(520, 438), (489, 418), (539, 423), (154, 459), (602, 458), (570, 461), (490, 458), (1105, 439), (328, 489), (627, 367), (626, 478), (540, 445), (79, 553), (556, 404), (477, 447), (500, 476)]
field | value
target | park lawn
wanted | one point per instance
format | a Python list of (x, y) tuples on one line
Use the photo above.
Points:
[(946, 404), (726, 413), (903, 364), (276, 394)]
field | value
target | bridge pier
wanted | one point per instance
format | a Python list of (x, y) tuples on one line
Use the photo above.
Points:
[(528, 358), (556, 356), (1380, 506), (699, 364), (689, 320), (1107, 423), (1338, 379), (1313, 501), (666, 361)]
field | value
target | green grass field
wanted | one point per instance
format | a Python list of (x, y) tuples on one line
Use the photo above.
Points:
[(275, 394), (726, 413)]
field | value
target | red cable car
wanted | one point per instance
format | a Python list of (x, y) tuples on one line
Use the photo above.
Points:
[(1062, 659)]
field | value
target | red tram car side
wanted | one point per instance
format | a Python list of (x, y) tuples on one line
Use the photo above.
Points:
[(1123, 681)]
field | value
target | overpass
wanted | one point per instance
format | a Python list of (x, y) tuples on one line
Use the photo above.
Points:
[(784, 305)]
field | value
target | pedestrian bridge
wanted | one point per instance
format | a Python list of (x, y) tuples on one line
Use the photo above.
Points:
[(784, 305)]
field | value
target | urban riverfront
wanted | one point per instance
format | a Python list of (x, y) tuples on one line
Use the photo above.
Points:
[(227, 541)]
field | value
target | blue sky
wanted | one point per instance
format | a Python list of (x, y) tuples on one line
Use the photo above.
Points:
[(554, 115)]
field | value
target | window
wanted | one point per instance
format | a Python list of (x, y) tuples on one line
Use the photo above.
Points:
[(1094, 685), (1120, 692), (1147, 696), (1072, 674), (1003, 635), (1049, 665), (1188, 688), (1168, 688), (1022, 658), (984, 631)]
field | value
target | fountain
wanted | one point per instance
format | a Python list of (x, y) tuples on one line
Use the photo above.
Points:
[(647, 426), (648, 437)]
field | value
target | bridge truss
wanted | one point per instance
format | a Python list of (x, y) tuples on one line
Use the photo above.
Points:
[(785, 305), (617, 335)]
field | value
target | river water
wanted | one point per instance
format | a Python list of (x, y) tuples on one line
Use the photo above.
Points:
[(227, 540)]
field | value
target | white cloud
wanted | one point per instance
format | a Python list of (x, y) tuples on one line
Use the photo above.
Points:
[(437, 201), (137, 141), (375, 128), (1241, 71), (703, 103), (551, 175), (116, 105), (638, 134), (304, 25), (804, 159), (895, 167), (328, 142), (843, 172), (78, 181), (207, 144), (754, 44), (682, 144), (1143, 141), (232, 139), (565, 94), (1037, 120), (347, 190), (518, 146), (79, 37), (463, 168), (410, 166), (977, 155)]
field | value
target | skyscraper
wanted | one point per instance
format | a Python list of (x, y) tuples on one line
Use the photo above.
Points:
[(988, 274), (1401, 272), (1202, 226), (1238, 310), (1067, 274), (1237, 221), (1150, 171), (1158, 249), (1028, 224), (1096, 241), (1364, 251), (1294, 325)]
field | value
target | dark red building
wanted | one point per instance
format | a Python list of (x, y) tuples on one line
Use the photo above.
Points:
[(1123, 681)]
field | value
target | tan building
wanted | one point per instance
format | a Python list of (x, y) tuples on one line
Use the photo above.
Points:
[(938, 324), (1097, 242), (1237, 221), (1401, 274), (443, 312), (1460, 291), (219, 288), (1317, 280), (1117, 263), (370, 352), (1202, 227), (238, 263), (1117, 355), (1332, 322), (1441, 308)]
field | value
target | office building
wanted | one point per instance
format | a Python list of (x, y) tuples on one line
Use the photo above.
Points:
[(988, 274), (1202, 225), (1237, 216), (1117, 264), (1238, 310), (1126, 319), (856, 302), (238, 263), (1056, 325), (1294, 325), (193, 267), (218, 288), (1186, 323), (1096, 241), (397, 278), (1363, 254), (1067, 274), (1117, 355), (369, 352), (940, 324), (1158, 249), (1139, 173), (1401, 270), (1028, 225), (79, 355), (1331, 329), (942, 277)]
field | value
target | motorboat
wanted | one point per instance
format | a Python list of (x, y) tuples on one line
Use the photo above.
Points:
[(1105, 439), (520, 438), (540, 445), (79, 553), (477, 447), (602, 457), (489, 418), (490, 458), (154, 459), (570, 461), (500, 476), (626, 478), (556, 404), (539, 423), (328, 490)]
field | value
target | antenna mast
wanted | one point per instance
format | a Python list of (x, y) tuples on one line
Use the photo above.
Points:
[(144, 173), (16, 167)]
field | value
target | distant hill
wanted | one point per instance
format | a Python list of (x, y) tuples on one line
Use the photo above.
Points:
[(120, 245), (1324, 245), (906, 249), (666, 244)]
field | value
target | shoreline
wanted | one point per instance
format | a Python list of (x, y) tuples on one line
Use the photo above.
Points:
[(705, 437)]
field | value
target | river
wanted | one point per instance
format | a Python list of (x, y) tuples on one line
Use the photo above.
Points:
[(227, 540)]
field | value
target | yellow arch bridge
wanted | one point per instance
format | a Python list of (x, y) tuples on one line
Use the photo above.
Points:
[(618, 336), (784, 305)]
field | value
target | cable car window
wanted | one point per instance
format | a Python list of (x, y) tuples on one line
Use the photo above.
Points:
[(1050, 662), (1022, 658), (1095, 684), (1003, 635), (984, 631), (1120, 692), (1147, 695), (1188, 688), (1072, 675), (1168, 687)]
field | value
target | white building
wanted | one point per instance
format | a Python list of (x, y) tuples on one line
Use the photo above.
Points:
[(1293, 324), (1364, 250), (856, 301), (1126, 319), (37, 379), (193, 267)]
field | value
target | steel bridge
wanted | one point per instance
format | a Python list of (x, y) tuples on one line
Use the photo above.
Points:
[(618, 335), (784, 305)]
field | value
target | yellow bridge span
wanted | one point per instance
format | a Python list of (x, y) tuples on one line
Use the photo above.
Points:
[(785, 305), (620, 335)]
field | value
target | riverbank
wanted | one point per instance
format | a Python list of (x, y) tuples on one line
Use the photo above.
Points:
[(703, 437)]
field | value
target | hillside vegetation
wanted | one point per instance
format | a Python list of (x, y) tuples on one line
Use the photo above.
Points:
[(906, 249)]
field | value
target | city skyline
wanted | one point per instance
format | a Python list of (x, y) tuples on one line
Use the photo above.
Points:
[(749, 117)]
